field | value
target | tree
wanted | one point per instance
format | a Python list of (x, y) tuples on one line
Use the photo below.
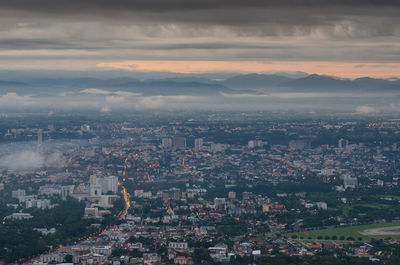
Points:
[(202, 256)]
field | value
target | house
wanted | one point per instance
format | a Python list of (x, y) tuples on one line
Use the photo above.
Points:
[(183, 260), (178, 245)]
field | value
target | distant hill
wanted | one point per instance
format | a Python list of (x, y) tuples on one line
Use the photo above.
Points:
[(371, 84), (316, 82), (11, 83), (309, 83), (165, 87), (189, 80), (256, 81), (249, 83)]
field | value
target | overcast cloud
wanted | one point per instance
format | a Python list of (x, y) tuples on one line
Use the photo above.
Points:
[(45, 32)]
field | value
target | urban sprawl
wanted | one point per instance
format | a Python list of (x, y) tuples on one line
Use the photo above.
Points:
[(206, 189)]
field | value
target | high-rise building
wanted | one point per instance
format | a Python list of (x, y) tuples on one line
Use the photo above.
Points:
[(94, 186), (95, 190), (18, 194), (166, 142), (67, 191), (40, 137), (179, 142), (109, 183), (342, 144), (93, 180), (198, 144)]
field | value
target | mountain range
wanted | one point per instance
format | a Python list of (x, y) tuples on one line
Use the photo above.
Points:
[(188, 85)]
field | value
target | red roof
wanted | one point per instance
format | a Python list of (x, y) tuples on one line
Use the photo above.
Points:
[(314, 246), (183, 258)]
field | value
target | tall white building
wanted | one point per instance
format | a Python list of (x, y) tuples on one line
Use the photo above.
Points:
[(93, 180), (166, 142), (18, 194), (38, 203), (255, 143), (95, 190), (198, 144), (40, 137), (109, 183)]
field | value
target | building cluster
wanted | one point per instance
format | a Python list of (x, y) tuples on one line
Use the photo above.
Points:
[(198, 184), (100, 193)]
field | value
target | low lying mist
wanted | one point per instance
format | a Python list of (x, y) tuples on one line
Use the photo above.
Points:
[(31, 160), (105, 101)]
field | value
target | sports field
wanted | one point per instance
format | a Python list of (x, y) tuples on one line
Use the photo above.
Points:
[(365, 232)]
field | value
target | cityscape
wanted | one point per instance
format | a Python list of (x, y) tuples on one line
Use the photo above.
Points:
[(233, 188), (212, 132)]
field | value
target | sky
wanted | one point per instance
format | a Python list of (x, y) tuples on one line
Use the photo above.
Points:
[(346, 38)]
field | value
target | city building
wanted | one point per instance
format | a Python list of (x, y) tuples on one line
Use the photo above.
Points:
[(18, 216), (40, 137), (198, 144), (18, 194), (179, 142), (166, 142), (350, 182), (109, 183)]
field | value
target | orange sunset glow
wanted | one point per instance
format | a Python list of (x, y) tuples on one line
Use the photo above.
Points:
[(341, 69)]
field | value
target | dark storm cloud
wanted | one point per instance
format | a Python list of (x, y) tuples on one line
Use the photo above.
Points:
[(208, 11), (162, 5), (341, 19)]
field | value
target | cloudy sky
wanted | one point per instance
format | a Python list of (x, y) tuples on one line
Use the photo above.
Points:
[(348, 38)]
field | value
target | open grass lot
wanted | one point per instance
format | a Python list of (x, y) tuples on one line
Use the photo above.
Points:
[(349, 231)]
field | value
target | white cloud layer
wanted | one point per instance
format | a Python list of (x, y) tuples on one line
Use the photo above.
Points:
[(365, 110), (11, 99), (30, 160)]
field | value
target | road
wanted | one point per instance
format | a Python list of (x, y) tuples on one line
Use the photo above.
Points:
[(124, 212)]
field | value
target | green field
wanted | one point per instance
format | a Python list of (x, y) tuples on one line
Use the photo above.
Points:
[(349, 231)]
